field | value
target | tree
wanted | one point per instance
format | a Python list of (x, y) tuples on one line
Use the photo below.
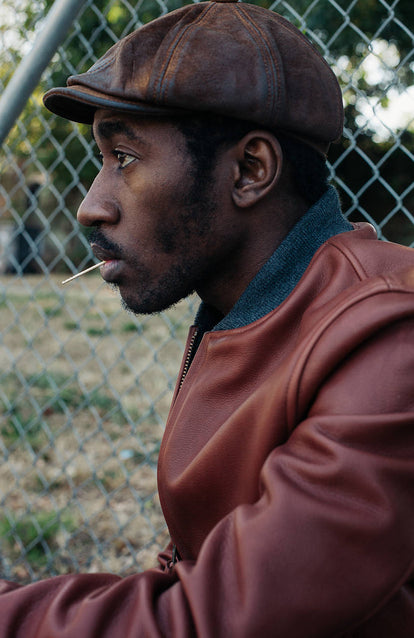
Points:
[(372, 164), (371, 43)]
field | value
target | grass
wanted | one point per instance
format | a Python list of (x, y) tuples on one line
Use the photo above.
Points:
[(95, 331), (36, 533), (17, 428), (58, 395), (83, 399), (129, 326), (53, 311)]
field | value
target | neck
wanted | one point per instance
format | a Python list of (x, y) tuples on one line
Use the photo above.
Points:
[(239, 267), (282, 272)]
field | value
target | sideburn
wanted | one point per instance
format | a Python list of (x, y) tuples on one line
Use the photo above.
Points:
[(197, 211)]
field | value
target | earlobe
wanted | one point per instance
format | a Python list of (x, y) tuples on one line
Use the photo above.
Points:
[(259, 165)]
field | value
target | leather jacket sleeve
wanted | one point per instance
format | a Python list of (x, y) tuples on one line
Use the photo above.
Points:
[(327, 547)]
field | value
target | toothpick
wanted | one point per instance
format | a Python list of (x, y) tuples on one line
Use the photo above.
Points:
[(83, 272)]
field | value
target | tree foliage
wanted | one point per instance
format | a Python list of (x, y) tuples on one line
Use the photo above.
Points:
[(346, 32)]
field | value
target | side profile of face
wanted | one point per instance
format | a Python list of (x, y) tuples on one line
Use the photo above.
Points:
[(162, 234)]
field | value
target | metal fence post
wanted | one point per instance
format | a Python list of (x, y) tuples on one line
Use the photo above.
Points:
[(85, 388), (27, 75)]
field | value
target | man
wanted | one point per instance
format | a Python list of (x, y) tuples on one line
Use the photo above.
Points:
[(286, 472)]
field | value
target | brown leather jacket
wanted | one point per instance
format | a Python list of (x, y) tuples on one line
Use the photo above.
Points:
[(286, 475)]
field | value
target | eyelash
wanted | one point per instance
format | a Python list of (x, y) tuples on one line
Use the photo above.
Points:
[(119, 155), (122, 156)]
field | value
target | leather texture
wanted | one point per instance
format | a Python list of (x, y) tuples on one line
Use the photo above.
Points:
[(286, 475), (233, 59)]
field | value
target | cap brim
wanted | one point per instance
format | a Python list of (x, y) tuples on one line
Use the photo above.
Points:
[(79, 104)]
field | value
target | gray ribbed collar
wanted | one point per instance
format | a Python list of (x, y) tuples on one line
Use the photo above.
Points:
[(278, 277)]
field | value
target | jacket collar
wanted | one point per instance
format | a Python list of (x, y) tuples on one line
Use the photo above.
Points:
[(279, 276)]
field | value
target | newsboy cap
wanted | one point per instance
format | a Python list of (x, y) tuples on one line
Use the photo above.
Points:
[(228, 58)]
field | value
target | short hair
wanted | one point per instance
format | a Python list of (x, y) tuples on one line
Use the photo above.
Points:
[(206, 134)]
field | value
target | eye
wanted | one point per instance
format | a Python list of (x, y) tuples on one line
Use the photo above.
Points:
[(123, 158)]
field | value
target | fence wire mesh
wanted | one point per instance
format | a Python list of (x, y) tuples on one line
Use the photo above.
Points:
[(84, 387)]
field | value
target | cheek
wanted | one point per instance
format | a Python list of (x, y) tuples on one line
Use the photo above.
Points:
[(147, 227), (161, 212)]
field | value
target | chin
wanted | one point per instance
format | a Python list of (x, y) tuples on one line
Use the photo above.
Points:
[(145, 306), (166, 293)]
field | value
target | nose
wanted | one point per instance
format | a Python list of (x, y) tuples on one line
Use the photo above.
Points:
[(99, 205)]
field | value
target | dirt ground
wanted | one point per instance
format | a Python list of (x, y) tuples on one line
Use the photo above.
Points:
[(84, 393)]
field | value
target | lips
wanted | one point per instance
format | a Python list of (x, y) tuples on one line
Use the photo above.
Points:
[(102, 253), (111, 269)]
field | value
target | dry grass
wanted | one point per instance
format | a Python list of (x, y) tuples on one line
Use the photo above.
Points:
[(84, 393)]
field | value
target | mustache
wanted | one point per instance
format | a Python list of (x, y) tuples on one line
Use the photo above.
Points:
[(99, 238)]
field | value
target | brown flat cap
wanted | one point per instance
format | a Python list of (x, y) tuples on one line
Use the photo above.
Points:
[(228, 58)]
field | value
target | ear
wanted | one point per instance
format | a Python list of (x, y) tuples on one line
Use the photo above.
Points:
[(258, 167)]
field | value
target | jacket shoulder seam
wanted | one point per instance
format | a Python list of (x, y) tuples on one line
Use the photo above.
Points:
[(382, 286), (351, 258)]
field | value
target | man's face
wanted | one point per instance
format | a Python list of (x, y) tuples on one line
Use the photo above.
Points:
[(158, 231)]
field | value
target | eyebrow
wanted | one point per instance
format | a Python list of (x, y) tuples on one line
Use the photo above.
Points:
[(108, 128)]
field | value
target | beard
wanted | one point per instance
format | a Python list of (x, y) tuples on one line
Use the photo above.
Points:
[(185, 241)]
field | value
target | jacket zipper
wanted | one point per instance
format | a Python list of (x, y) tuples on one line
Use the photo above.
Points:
[(188, 358), (175, 555)]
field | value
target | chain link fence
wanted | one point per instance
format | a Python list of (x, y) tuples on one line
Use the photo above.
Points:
[(85, 387)]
